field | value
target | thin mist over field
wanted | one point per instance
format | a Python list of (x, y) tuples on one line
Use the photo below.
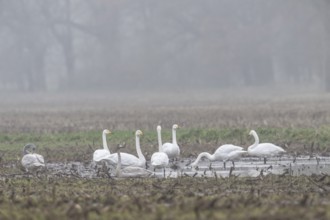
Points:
[(146, 50)]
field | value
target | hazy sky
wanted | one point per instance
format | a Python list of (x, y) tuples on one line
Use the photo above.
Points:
[(162, 45)]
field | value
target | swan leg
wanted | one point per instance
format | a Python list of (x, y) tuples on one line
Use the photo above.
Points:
[(233, 163), (317, 160), (164, 173), (224, 164), (265, 160)]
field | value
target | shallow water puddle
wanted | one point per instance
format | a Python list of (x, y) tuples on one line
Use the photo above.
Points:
[(246, 167)]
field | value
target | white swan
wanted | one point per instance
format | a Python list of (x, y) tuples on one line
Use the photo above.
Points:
[(159, 159), (227, 152), (129, 159), (101, 154), (31, 161), (172, 149), (264, 149), (130, 171)]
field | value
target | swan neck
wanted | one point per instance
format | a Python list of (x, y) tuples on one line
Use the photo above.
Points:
[(174, 136), (256, 141), (138, 148), (118, 169), (159, 140), (104, 140), (204, 154)]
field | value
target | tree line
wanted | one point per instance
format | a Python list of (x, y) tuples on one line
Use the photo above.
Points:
[(93, 44)]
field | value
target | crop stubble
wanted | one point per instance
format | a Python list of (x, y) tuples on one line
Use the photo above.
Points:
[(297, 123)]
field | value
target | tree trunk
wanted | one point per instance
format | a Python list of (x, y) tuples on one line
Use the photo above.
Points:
[(327, 64), (323, 8)]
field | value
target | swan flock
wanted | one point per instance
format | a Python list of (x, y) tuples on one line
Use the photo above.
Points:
[(129, 165)]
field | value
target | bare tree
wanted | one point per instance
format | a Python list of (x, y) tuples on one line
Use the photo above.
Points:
[(323, 6), (168, 44), (30, 43)]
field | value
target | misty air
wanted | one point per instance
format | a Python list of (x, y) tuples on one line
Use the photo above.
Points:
[(176, 109)]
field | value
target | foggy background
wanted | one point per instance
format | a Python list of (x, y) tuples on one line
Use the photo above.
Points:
[(98, 45)]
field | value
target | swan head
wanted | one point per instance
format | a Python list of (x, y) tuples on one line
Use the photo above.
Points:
[(159, 128), (119, 146), (252, 132), (175, 126), (106, 131), (29, 148), (138, 133)]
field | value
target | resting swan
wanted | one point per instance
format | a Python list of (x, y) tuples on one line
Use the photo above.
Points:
[(101, 154), (129, 159), (159, 159), (172, 149), (227, 152), (31, 161), (130, 171), (264, 149)]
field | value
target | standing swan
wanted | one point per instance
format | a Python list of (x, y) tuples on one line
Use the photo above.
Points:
[(101, 154), (264, 149), (32, 161), (227, 152), (129, 159), (172, 149), (130, 171), (159, 159)]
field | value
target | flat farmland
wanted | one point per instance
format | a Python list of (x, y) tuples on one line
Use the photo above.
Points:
[(67, 128)]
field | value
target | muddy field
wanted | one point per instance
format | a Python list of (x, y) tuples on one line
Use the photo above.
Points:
[(68, 130)]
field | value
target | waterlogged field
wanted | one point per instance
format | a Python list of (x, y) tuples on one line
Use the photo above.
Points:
[(67, 131)]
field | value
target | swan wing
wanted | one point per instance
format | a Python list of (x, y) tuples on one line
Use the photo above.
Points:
[(126, 160), (159, 159), (100, 154), (32, 160), (172, 150), (234, 155), (40, 158), (129, 160), (279, 149), (267, 149), (227, 148)]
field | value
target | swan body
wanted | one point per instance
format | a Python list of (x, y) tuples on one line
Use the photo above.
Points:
[(159, 159), (102, 154), (126, 160), (130, 171), (227, 152), (129, 159), (263, 150), (172, 149), (32, 161)]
